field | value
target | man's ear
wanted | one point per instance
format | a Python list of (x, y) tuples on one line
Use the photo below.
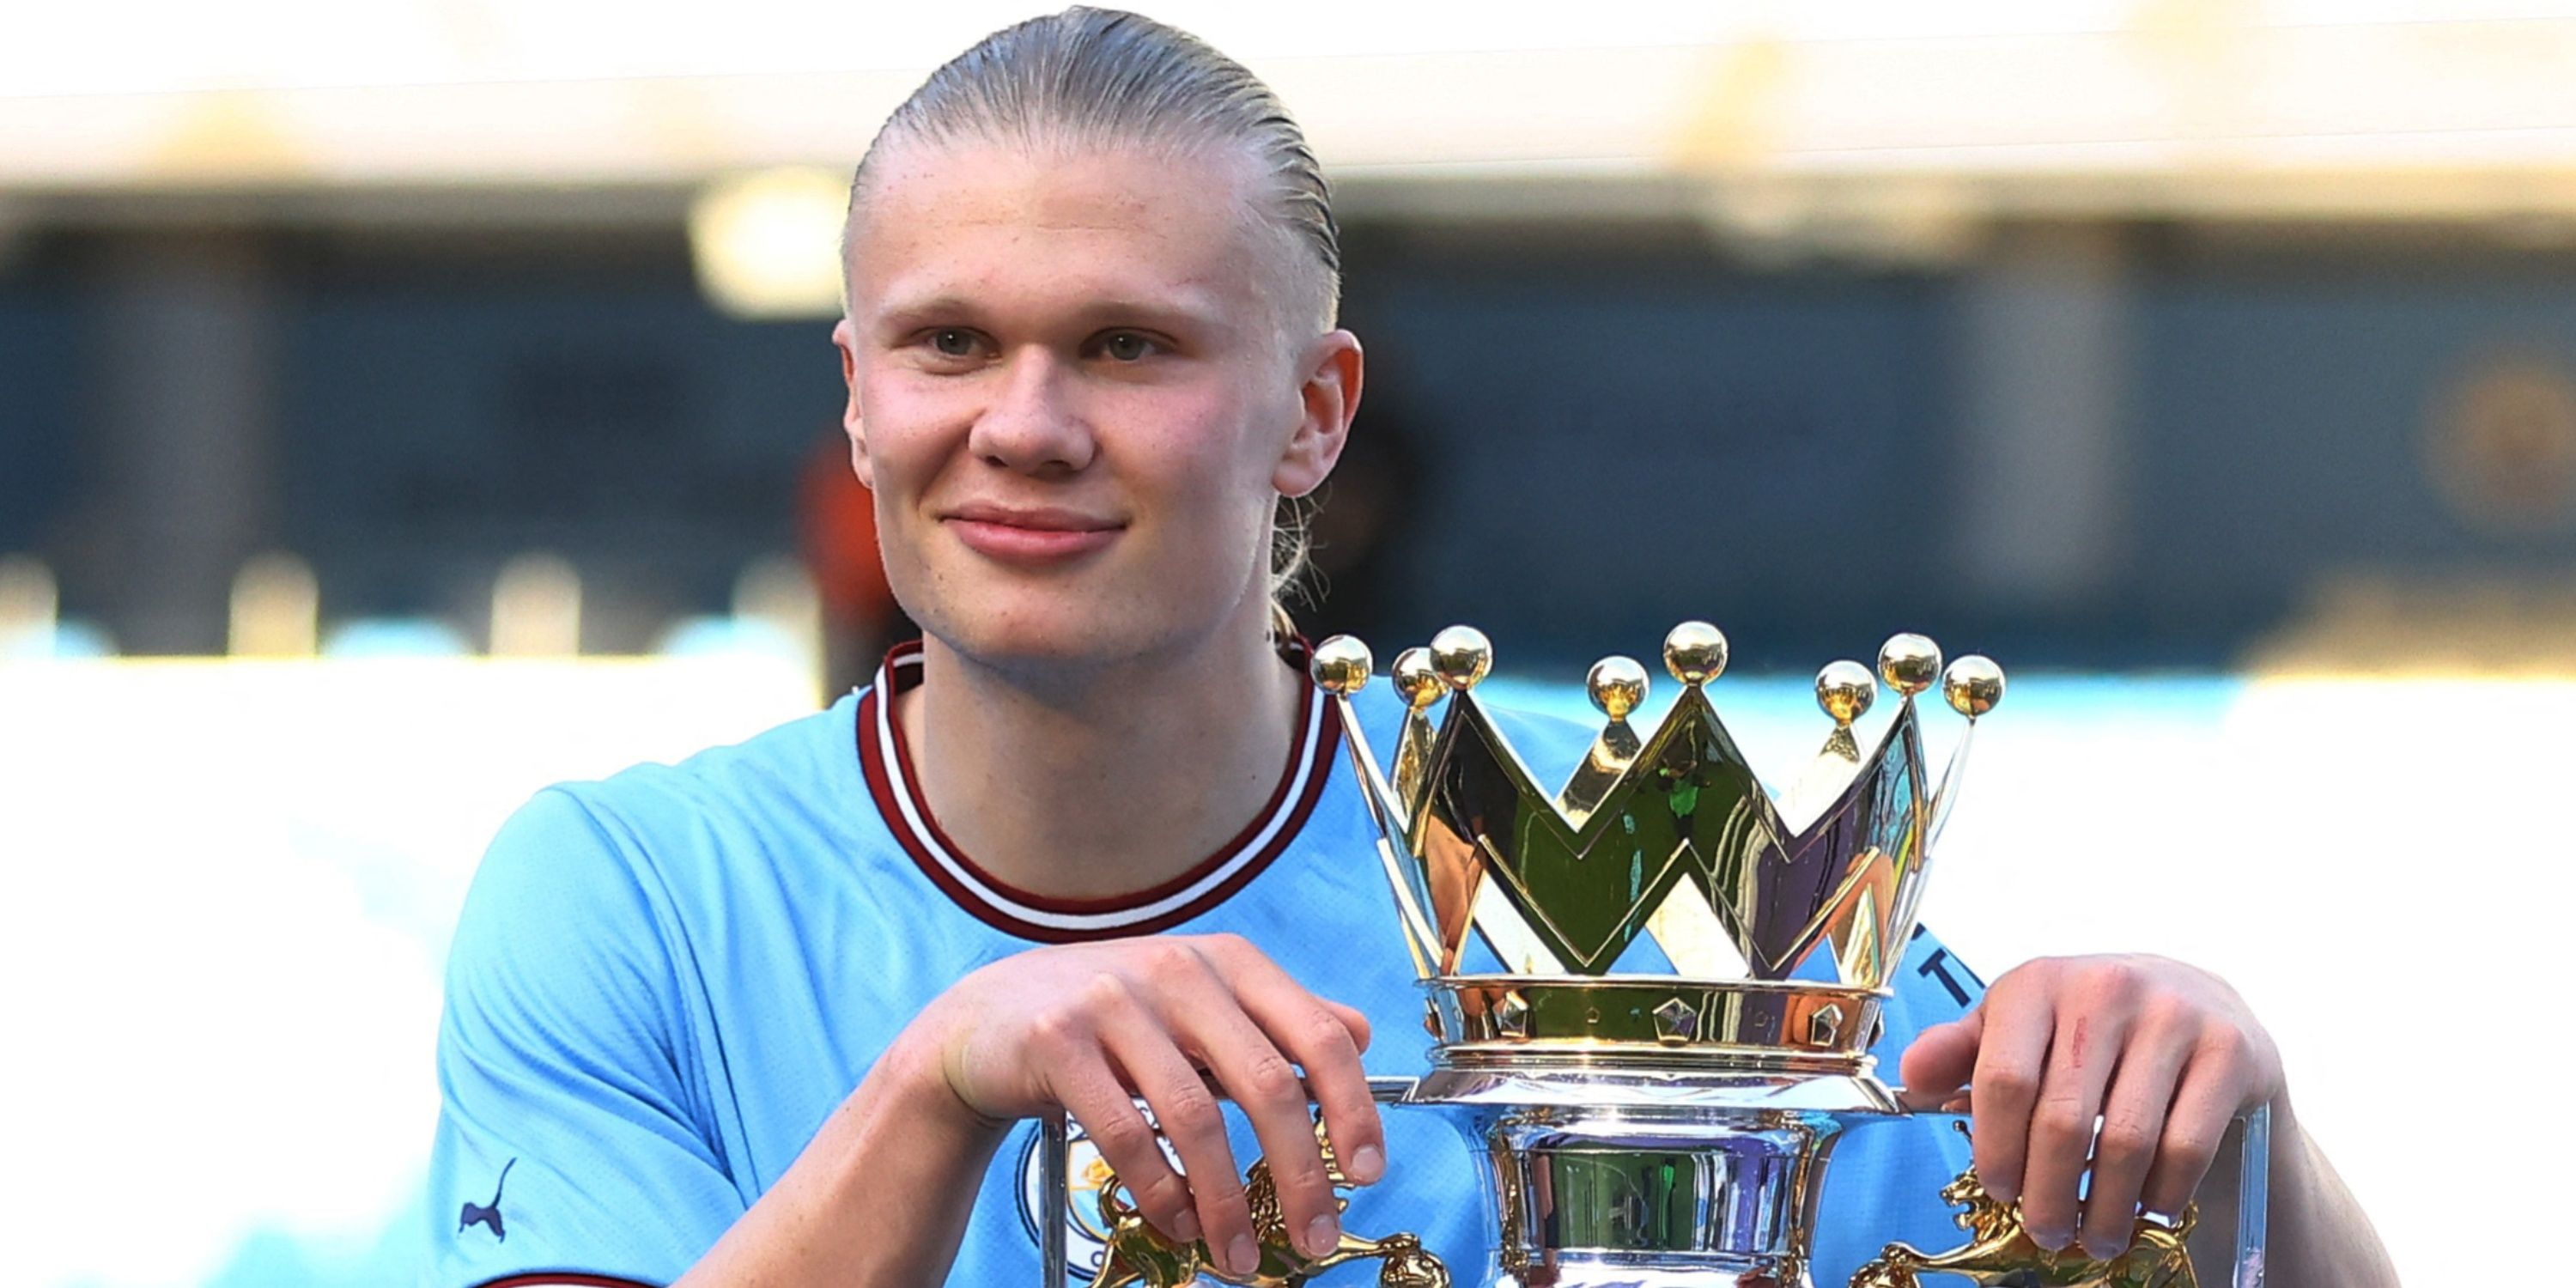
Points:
[(844, 338), (1328, 395)]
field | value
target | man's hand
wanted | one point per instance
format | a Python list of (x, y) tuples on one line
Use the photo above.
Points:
[(1090, 1027), (2165, 1055)]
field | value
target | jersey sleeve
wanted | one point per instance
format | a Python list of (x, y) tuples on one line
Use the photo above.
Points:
[(1932, 986), (571, 1146)]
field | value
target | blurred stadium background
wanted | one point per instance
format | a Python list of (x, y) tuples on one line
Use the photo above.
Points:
[(404, 405)]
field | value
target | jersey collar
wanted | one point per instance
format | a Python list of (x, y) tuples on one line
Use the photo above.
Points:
[(887, 765)]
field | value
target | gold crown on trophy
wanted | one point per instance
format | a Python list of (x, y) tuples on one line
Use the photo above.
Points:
[(1661, 899)]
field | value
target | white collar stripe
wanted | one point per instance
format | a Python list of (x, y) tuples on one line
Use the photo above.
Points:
[(914, 820)]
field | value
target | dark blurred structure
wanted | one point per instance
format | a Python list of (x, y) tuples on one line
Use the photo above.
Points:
[(2097, 444), (837, 536), (404, 411)]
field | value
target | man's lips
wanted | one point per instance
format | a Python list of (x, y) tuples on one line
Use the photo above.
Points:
[(1030, 536)]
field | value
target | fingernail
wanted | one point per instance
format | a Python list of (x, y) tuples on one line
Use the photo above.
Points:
[(2052, 1240), (1241, 1257), (1185, 1227), (1323, 1237), (2103, 1248), (1367, 1163)]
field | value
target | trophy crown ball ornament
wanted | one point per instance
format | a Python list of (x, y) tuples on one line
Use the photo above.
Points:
[(1652, 991)]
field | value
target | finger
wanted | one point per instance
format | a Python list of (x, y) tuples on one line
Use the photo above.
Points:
[(1260, 1078), (1187, 1111), (2212, 1090), (2012, 1048), (1315, 1034), (2133, 1121), (2082, 1050), (1936, 1065), (1233, 955), (1353, 1022), (1093, 1092)]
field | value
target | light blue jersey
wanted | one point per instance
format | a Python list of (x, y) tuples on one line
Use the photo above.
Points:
[(663, 983)]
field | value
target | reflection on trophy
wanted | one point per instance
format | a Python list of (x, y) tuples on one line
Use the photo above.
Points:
[(1653, 990)]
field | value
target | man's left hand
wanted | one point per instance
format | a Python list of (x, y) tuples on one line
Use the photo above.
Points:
[(2164, 1055)]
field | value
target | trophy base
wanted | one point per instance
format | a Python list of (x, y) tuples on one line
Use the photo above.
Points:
[(1581, 1271)]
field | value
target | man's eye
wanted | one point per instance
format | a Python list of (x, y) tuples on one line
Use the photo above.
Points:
[(1126, 346), (952, 342)]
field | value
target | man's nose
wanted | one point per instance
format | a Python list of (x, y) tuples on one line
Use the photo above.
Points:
[(1034, 424)]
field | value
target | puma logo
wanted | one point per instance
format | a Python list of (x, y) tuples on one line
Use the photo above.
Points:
[(488, 1214)]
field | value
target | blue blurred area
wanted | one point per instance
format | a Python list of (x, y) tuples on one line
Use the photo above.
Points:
[(66, 640), (1776, 722), (394, 637)]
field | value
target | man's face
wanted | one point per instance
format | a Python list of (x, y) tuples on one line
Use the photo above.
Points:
[(1072, 398)]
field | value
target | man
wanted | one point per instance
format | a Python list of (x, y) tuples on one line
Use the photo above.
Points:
[(771, 1016)]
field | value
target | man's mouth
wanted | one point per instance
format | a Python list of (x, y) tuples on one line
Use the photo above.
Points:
[(1016, 534)]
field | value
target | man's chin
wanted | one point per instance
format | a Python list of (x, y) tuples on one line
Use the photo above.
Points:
[(1033, 637), (1068, 638)]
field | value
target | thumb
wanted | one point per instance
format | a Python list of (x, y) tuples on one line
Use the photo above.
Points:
[(1941, 1060)]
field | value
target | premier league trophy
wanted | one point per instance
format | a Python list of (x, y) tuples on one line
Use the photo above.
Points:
[(1653, 990)]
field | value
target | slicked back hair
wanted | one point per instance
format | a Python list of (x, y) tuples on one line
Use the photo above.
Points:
[(1104, 78)]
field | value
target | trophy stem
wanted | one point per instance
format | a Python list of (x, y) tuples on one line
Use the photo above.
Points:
[(1643, 1197)]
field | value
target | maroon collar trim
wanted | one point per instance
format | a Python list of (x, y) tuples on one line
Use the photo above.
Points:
[(561, 1279), (886, 763)]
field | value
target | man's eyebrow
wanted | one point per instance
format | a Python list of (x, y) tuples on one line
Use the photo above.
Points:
[(904, 314), (1189, 314), (1191, 311)]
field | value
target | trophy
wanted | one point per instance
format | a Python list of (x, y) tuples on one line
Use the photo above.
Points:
[(1653, 990)]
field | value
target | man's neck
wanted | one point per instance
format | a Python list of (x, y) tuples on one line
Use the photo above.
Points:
[(1107, 783)]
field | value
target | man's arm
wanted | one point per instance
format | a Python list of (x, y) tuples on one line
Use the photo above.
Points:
[(879, 1197), (2162, 1056), (2320, 1235)]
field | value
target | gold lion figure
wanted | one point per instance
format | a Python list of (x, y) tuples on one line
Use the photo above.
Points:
[(1139, 1254), (2000, 1252)]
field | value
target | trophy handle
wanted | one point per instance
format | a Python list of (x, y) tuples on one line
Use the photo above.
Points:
[(1055, 1149), (2253, 1197), (2163, 1250), (1055, 1153)]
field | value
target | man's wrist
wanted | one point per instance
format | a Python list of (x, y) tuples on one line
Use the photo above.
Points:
[(919, 1089)]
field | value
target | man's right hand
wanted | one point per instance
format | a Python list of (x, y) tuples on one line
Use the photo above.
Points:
[(1090, 1028)]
